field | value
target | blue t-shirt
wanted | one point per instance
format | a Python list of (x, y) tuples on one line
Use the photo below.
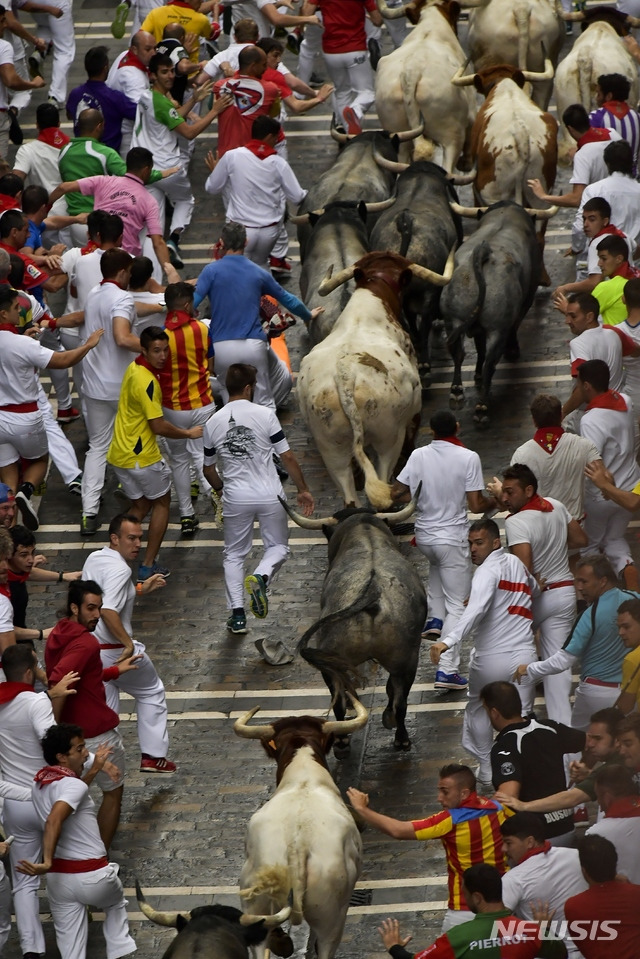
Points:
[(113, 104), (34, 236), (595, 638)]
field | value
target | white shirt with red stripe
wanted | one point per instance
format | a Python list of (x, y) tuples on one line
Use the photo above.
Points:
[(599, 343), (80, 837), (499, 607), (19, 356), (546, 533), (613, 433)]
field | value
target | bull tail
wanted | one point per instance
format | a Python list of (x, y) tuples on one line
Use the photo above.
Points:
[(277, 883), (423, 148), (584, 78), (469, 300), (404, 226), (522, 13), (378, 491), (480, 256)]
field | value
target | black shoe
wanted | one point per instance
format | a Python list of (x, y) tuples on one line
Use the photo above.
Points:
[(174, 254), (315, 80), (374, 52), (15, 130), (35, 64), (89, 525)]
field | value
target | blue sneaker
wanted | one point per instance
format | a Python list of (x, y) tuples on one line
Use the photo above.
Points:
[(432, 628), (257, 589), (450, 681), (237, 624), (145, 572)]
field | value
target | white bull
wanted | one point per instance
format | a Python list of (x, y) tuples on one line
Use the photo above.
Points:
[(360, 386), (412, 84), (303, 843)]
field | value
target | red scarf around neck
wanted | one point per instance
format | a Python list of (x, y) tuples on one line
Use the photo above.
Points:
[(142, 361), (177, 318), (539, 851), (89, 248), (260, 149), (9, 691), (618, 108), (627, 807), (609, 229), (9, 328), (54, 137), (130, 59), (450, 439), (17, 577), (627, 271), (538, 503), (52, 774), (594, 135), (611, 400), (548, 437)]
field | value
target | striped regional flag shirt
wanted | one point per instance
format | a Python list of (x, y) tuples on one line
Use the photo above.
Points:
[(470, 834), (618, 115), (185, 378)]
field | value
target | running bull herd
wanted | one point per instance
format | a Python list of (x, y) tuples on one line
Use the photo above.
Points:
[(386, 222)]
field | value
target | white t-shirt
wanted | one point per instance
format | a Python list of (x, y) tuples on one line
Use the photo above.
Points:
[(623, 194), (68, 265), (40, 162), (588, 163), (613, 433), (624, 833), (242, 437), (598, 344), (80, 837), (6, 614), (592, 253), (6, 56), (255, 190), (632, 367), (23, 723), (104, 366), (19, 356), (547, 535), (250, 9), (153, 319), (129, 80), (88, 275), (214, 66), (107, 568), (561, 473), (447, 473)]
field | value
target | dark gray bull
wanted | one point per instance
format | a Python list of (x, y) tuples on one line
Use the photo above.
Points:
[(372, 607), (421, 227), (496, 274), (339, 237), (217, 932)]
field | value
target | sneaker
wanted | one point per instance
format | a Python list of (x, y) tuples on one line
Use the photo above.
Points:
[(450, 681), (353, 124), (432, 628), (119, 22), (568, 29), (35, 64), (374, 52), (315, 80), (280, 322), (195, 490), (28, 513), (145, 572), (75, 486), (151, 764), (257, 589), (40, 489), (89, 525), (279, 265), (68, 415), (120, 494), (15, 130), (293, 44), (174, 254), (188, 525), (237, 624), (55, 102)]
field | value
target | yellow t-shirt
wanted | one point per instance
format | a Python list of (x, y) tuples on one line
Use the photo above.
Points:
[(193, 22), (631, 674), (134, 442), (608, 293)]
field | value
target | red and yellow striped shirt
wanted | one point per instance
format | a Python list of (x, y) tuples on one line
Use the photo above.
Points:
[(185, 378), (470, 834)]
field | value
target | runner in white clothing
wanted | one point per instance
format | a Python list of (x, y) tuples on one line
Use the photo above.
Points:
[(620, 189), (499, 614), (74, 857), (540, 532), (129, 75)]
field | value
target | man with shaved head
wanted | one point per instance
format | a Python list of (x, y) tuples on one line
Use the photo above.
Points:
[(129, 74)]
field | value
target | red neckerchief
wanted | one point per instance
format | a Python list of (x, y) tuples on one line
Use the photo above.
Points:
[(89, 248), (54, 137), (102, 283), (52, 774), (619, 108), (609, 229), (17, 578), (130, 59), (5, 591), (450, 439), (594, 135), (538, 503), (611, 400), (8, 203), (9, 691), (626, 808), (541, 850), (9, 328), (176, 319), (260, 149), (142, 361), (474, 801), (627, 271), (548, 437)]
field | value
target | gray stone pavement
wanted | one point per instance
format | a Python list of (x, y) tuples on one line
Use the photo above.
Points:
[(183, 836)]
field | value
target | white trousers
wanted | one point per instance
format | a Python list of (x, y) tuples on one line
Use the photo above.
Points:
[(310, 47), (261, 242), (60, 32), (23, 823), (352, 78), (21, 98), (60, 449), (59, 378), (588, 700), (554, 613), (71, 341), (177, 190), (606, 525), (455, 917), (69, 896), (99, 417), (273, 380), (477, 732), (447, 590), (238, 536), (5, 908), (183, 452), (147, 689)]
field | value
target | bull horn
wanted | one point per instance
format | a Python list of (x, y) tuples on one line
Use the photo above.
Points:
[(246, 919), (339, 137), (466, 210), (410, 134), (341, 727), (460, 179), (298, 218), (394, 165), (438, 279), (542, 214), (390, 13), (331, 283), (160, 918), (304, 521), (633, 21), (402, 514), (241, 728), (380, 205), (547, 73), (573, 15), (460, 79)]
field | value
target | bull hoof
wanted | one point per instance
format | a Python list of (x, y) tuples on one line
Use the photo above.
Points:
[(481, 417), (456, 400), (402, 745), (545, 279), (424, 370), (341, 748), (388, 718), (280, 943)]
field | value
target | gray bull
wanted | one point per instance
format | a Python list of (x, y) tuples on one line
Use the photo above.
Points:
[(421, 227), (372, 608)]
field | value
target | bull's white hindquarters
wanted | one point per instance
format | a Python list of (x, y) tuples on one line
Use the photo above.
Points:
[(589, 699), (147, 689), (447, 590), (69, 896), (477, 732), (554, 613), (273, 378), (606, 526), (177, 190), (21, 821), (353, 82), (22, 435), (238, 536), (99, 417), (60, 449), (182, 452)]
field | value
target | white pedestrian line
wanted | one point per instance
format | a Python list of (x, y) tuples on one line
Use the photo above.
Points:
[(411, 882)]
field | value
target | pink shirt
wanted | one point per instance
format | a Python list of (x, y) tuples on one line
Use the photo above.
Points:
[(128, 197)]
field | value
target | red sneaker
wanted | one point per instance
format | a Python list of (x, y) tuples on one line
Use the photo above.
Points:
[(68, 415), (151, 764), (279, 265), (353, 124)]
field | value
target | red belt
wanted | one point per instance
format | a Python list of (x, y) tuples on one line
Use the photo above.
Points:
[(600, 682), (558, 585), (111, 646), (78, 865), (20, 408)]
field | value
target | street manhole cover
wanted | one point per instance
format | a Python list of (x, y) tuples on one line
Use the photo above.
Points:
[(361, 897)]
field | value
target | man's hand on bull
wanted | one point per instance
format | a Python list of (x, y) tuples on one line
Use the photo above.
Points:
[(306, 502), (436, 652), (358, 799), (520, 672), (537, 189), (316, 312), (390, 934)]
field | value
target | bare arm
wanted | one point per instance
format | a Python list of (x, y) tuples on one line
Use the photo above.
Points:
[(599, 476), (576, 536), (71, 186), (571, 199), (162, 427), (52, 829), (112, 621), (396, 828), (278, 19), (294, 105), (625, 703), (7, 639), (12, 79), (305, 499), (574, 400), (478, 502), (62, 361), (160, 250), (566, 799), (511, 788)]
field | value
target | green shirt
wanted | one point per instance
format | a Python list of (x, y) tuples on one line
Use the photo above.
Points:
[(609, 296), (86, 156)]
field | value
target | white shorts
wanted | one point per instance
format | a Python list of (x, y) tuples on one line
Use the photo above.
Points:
[(113, 739), (145, 482), (22, 435)]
